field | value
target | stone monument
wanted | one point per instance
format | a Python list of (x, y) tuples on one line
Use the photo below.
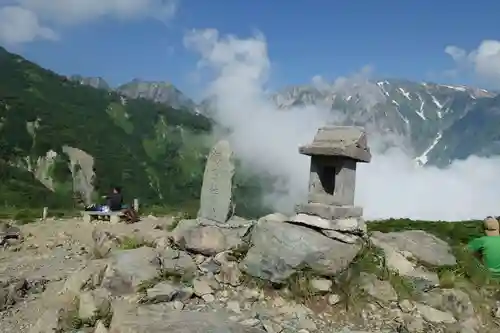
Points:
[(216, 191), (334, 152)]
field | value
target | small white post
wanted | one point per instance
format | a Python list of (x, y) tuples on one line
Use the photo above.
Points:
[(136, 205), (45, 213)]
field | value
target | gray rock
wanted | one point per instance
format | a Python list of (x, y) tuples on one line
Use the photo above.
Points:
[(202, 287), (167, 292), (495, 312), (275, 217), (129, 269), (414, 324), (195, 236), (334, 299), (425, 247), (175, 262), (87, 277), (452, 300), (348, 225), (280, 249), (216, 191), (49, 322), (343, 237), (100, 328), (434, 315), (158, 319), (94, 302), (380, 290), (104, 242), (209, 266), (395, 260), (321, 285), (229, 274)]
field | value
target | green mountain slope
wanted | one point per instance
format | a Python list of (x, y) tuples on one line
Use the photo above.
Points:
[(71, 136)]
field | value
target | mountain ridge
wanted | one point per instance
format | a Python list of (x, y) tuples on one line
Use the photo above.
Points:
[(420, 113)]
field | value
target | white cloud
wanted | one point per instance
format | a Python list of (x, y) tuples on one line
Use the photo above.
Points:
[(484, 62), (267, 140), (18, 25), (80, 11), (38, 19)]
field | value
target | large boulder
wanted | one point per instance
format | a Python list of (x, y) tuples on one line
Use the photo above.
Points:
[(208, 238), (128, 270), (424, 247), (159, 318), (280, 249)]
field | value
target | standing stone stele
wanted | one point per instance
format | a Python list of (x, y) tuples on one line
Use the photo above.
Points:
[(216, 191)]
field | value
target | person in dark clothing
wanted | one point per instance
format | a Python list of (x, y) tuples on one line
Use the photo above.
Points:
[(115, 200), (115, 203)]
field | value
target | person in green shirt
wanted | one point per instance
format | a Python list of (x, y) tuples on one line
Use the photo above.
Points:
[(487, 248)]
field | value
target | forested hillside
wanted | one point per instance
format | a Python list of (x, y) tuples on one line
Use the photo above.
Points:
[(155, 152)]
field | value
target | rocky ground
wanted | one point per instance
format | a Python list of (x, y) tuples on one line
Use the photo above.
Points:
[(162, 275)]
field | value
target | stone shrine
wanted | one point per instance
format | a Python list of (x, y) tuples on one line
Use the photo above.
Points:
[(334, 152)]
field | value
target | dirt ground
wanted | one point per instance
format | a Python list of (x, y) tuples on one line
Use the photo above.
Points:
[(52, 250)]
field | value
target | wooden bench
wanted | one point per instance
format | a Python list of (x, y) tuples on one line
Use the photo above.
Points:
[(113, 217)]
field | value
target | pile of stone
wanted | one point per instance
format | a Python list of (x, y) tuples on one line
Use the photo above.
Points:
[(324, 237), (327, 232), (332, 182)]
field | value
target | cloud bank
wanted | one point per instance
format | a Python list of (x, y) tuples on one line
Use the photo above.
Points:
[(483, 62), (23, 21), (267, 139)]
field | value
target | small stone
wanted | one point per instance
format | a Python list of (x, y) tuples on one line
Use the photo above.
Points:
[(433, 315), (333, 299), (208, 298), (308, 324), (167, 292), (271, 327), (93, 302), (199, 258), (496, 310), (201, 287), (178, 305), (251, 295), (380, 290), (229, 274), (250, 322), (100, 328), (406, 306), (414, 324), (278, 302), (321, 285), (233, 306)]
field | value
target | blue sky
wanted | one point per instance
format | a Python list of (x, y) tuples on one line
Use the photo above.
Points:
[(402, 39)]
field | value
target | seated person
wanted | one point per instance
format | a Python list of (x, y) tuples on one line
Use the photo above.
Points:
[(114, 200), (115, 203), (487, 248)]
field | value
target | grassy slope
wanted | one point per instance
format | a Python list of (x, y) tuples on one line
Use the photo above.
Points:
[(155, 152), (133, 143)]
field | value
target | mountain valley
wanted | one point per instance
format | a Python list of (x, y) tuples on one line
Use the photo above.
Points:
[(61, 135), (434, 123)]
